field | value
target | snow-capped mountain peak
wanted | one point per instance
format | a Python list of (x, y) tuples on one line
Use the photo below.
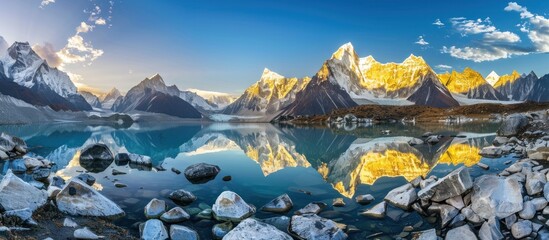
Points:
[(157, 78), (3, 46), (270, 75), (346, 53), (492, 78)]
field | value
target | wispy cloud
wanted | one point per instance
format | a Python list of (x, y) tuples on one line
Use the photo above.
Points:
[(48, 53), (536, 26), (421, 41), (46, 3), (438, 23), (443, 67)]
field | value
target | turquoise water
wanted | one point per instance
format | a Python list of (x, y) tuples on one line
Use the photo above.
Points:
[(265, 161)]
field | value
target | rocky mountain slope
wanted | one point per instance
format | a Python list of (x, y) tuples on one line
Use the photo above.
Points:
[(471, 84), (517, 87)]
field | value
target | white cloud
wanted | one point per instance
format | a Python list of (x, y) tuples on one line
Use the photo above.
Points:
[(84, 28), (46, 3), (537, 26), (48, 53), (483, 53), (77, 50), (421, 41), (468, 26), (438, 23), (498, 36), (100, 21), (443, 67)]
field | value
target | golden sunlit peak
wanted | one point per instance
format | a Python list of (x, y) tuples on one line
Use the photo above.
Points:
[(461, 82), (345, 48), (507, 78), (414, 59), (268, 74)]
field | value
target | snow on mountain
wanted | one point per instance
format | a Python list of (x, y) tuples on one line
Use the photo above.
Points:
[(492, 78), (515, 86), (471, 84), (268, 96), (152, 95), (91, 99), (218, 99), (26, 68), (197, 101), (108, 100)]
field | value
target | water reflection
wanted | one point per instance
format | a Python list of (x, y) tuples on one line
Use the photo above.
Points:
[(264, 160)]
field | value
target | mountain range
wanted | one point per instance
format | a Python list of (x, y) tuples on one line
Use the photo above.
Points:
[(344, 80)]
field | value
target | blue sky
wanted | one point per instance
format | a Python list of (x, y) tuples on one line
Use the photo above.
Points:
[(224, 45)]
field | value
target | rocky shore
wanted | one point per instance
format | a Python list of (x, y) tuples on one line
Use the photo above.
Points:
[(512, 204)]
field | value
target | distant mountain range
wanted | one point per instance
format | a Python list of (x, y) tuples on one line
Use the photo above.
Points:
[(344, 80)]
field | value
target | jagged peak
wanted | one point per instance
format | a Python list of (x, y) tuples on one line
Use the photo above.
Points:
[(156, 77), (270, 75), (532, 73), (414, 59), (493, 74), (114, 91), (345, 49)]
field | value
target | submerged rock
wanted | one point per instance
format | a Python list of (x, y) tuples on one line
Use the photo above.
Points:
[(281, 204), (182, 196), (313, 208), (154, 230), (311, 226), (96, 158), (221, 229), (453, 184), (402, 197), (364, 199), (253, 229), (496, 196), (88, 179), (178, 232), (377, 211), (201, 172), (155, 208), (17, 194), (229, 206), (77, 198)]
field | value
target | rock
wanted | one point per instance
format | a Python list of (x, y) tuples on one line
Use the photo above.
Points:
[(227, 178), (253, 229), (6, 143), (17, 194), (499, 140), (229, 206), (69, 223), (456, 202), (446, 212), (491, 152), (34, 163), (311, 226), (155, 208), (282, 223), (88, 179), (338, 202), (140, 160), (201, 172), (85, 233), (175, 215), (496, 196), (182, 196), (513, 125), (471, 216), (432, 139), (377, 211), (509, 221), (430, 234), (153, 229), (24, 215), (178, 232), (490, 230), (3, 155), (535, 181), (221, 229), (176, 171), (539, 156), (453, 184), (77, 198), (281, 204), (528, 211), (96, 158), (364, 199), (116, 172), (402, 197), (539, 203), (483, 166), (205, 214), (427, 134), (120, 185), (311, 208), (415, 141), (521, 229), (121, 159), (460, 233)]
